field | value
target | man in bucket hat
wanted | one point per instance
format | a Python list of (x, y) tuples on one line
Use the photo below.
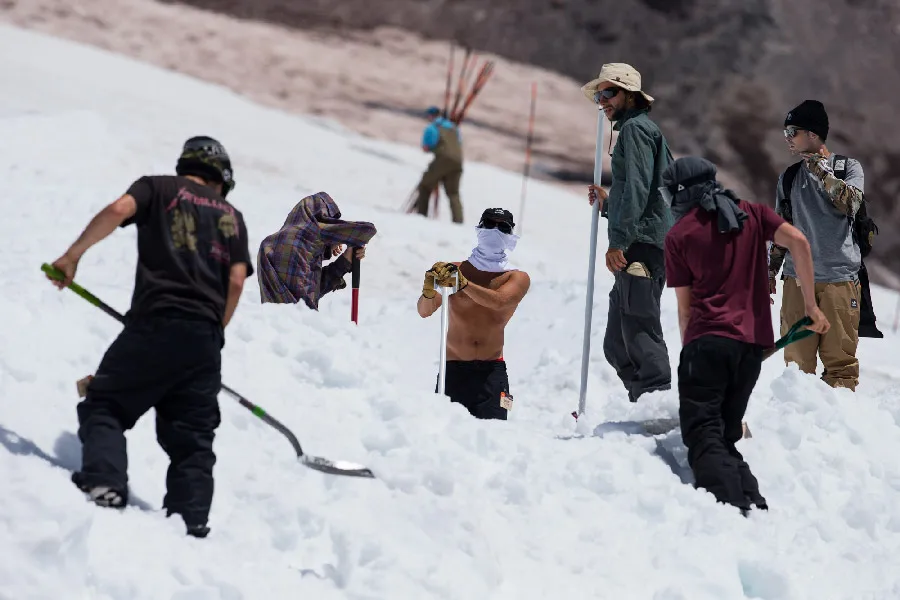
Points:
[(638, 222)]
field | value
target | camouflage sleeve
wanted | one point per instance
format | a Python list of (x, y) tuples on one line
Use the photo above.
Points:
[(845, 197), (776, 259), (776, 252)]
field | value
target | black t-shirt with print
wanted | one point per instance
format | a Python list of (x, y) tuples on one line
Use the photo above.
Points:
[(188, 239)]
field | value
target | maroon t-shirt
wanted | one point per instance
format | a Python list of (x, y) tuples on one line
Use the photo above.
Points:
[(728, 273)]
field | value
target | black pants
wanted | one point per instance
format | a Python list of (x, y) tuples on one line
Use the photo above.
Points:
[(171, 364), (479, 385), (716, 376), (633, 343)]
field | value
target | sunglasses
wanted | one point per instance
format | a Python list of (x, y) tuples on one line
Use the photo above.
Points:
[(791, 131), (503, 227), (608, 93)]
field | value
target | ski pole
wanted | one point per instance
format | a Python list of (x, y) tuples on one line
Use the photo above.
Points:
[(354, 278), (592, 262), (446, 292), (528, 142), (449, 84), (313, 462), (461, 81)]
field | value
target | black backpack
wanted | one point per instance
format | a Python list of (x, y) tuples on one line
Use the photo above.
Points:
[(863, 227)]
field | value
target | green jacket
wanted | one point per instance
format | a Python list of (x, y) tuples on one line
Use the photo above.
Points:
[(636, 210)]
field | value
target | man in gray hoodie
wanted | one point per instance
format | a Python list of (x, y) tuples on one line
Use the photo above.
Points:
[(822, 206)]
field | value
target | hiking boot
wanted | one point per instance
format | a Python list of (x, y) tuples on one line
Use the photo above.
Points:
[(107, 497), (198, 531), (756, 499), (101, 495)]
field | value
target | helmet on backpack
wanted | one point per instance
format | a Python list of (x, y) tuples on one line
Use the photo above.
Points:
[(205, 157)]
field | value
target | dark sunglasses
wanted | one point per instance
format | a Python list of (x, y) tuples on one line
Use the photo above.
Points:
[(790, 131), (607, 93), (504, 227)]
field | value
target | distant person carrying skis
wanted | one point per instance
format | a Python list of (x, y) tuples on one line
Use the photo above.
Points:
[(193, 258), (489, 293), (638, 222), (442, 138), (716, 261)]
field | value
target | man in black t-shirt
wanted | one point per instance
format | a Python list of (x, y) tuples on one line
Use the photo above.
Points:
[(193, 258)]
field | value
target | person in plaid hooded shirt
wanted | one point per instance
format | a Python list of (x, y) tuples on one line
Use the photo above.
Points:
[(290, 260)]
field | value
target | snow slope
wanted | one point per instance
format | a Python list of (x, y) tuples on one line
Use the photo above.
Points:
[(461, 509)]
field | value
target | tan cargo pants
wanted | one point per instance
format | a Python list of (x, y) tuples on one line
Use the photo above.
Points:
[(837, 348)]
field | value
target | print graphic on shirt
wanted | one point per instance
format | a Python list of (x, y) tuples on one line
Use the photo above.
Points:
[(184, 230), (220, 253), (185, 195), (228, 225)]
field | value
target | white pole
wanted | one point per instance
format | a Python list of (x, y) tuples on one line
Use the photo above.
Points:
[(592, 262), (445, 325), (897, 314)]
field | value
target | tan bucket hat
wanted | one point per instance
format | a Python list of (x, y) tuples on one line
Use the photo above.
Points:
[(620, 74)]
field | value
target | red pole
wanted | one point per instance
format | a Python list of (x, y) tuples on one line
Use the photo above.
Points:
[(354, 300)]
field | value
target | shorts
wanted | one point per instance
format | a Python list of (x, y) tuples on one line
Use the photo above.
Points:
[(482, 386)]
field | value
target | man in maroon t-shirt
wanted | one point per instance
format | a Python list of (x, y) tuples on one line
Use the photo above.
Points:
[(716, 259)]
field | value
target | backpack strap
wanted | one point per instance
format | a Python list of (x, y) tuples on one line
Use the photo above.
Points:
[(787, 182)]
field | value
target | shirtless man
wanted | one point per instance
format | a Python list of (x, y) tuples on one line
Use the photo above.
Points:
[(488, 295)]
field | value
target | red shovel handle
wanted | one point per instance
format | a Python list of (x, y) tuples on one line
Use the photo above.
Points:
[(354, 301)]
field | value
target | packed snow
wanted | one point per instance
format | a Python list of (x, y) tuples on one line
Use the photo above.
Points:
[(534, 507)]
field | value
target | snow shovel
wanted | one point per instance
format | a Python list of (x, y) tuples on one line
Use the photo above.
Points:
[(313, 462), (445, 325), (796, 333)]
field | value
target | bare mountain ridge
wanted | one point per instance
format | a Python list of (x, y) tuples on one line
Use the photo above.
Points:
[(724, 72)]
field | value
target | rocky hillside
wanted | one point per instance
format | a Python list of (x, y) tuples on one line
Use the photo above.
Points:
[(725, 72)]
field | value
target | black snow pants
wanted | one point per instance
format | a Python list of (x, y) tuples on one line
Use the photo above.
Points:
[(172, 364), (716, 376), (633, 343), (482, 386)]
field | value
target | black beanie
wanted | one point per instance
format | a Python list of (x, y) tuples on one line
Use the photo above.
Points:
[(809, 115)]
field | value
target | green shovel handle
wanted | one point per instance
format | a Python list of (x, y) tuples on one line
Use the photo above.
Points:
[(55, 273)]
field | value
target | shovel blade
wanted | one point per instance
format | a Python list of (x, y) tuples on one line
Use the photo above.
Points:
[(339, 467)]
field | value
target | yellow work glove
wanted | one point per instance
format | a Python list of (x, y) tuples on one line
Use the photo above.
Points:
[(430, 278), (445, 276), (428, 287)]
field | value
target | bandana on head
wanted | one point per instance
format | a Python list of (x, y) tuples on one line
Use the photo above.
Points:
[(491, 252)]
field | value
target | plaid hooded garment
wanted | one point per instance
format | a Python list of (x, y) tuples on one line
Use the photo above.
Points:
[(289, 263)]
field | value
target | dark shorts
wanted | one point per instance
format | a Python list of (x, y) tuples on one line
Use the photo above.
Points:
[(482, 386)]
